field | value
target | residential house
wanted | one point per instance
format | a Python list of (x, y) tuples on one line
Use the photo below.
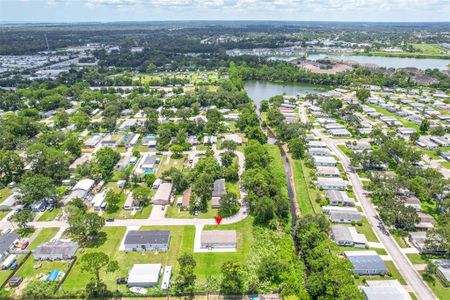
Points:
[(339, 132), (55, 250), (317, 144), (81, 189), (443, 270), (211, 239), (147, 240), (163, 194), (325, 161), (358, 145), (366, 262), (144, 275), (218, 191), (331, 183), (384, 290), (327, 172), (339, 198), (348, 236)]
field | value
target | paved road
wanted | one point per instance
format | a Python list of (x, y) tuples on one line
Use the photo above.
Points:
[(405, 267), (412, 277)]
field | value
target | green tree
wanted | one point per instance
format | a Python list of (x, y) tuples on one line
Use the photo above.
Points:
[(142, 194), (37, 188), (85, 227), (105, 160), (424, 126), (38, 289), (177, 151), (297, 147), (11, 166), (61, 118), (23, 217), (232, 278), (112, 200), (184, 282), (363, 95), (229, 204), (95, 263)]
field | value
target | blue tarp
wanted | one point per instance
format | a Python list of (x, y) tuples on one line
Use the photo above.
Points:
[(53, 275), (148, 172)]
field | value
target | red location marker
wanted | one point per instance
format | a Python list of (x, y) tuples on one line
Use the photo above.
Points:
[(218, 218)]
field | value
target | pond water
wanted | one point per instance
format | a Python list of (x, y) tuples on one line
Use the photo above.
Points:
[(262, 90), (391, 62)]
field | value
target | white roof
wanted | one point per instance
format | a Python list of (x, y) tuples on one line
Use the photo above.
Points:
[(144, 274), (84, 184), (99, 198)]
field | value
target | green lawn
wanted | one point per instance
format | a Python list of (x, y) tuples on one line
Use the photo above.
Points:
[(399, 239), (181, 241), (345, 149), (50, 215), (438, 288), (4, 193), (445, 164), (307, 203), (276, 167), (4, 274), (416, 258), (165, 164), (366, 229), (45, 235), (3, 214), (29, 273)]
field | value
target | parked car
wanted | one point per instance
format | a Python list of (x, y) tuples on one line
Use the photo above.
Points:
[(122, 280), (110, 220), (25, 245), (15, 281)]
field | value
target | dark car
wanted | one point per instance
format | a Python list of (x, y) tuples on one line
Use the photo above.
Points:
[(15, 281), (110, 220), (122, 280), (25, 245)]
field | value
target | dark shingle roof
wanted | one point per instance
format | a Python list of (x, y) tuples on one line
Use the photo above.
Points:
[(147, 236)]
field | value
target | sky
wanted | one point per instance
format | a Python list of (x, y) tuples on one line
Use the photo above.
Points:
[(295, 10)]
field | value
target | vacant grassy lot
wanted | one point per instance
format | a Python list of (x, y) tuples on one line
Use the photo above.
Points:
[(50, 215), (168, 162), (174, 212), (45, 235)]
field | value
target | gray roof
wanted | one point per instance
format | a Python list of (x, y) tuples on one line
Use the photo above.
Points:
[(219, 188), (57, 247), (384, 293), (335, 195), (365, 260), (147, 237), (7, 240), (218, 237), (351, 215), (341, 233), (149, 159)]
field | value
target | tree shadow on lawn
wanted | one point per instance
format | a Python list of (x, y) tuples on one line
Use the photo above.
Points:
[(96, 241)]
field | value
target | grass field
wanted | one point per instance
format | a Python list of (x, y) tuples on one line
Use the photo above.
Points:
[(276, 167), (45, 235), (307, 205), (50, 215), (181, 241), (416, 258), (174, 212), (167, 162), (3, 214), (4, 193), (366, 229), (438, 288)]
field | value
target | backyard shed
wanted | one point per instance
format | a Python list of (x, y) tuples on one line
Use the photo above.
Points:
[(144, 275)]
